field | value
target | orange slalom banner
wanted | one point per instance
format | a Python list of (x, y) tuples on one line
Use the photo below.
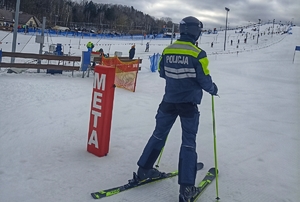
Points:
[(101, 110)]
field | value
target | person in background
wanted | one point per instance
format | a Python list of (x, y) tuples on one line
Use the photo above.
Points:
[(147, 47), (102, 53), (90, 46), (185, 70), (132, 52)]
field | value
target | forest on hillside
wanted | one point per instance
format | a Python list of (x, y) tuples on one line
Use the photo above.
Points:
[(87, 15)]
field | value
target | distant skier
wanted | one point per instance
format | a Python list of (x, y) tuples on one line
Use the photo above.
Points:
[(147, 47)]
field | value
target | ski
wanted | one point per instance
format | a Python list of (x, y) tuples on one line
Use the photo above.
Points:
[(209, 177), (132, 183)]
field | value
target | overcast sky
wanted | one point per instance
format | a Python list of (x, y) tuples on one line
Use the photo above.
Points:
[(212, 12)]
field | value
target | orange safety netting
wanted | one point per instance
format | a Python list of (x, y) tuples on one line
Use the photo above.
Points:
[(126, 72)]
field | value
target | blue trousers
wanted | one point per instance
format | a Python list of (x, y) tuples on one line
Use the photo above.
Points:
[(165, 118)]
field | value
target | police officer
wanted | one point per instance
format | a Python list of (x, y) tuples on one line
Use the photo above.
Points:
[(185, 69)]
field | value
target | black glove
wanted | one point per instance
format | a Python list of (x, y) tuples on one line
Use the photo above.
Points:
[(215, 90)]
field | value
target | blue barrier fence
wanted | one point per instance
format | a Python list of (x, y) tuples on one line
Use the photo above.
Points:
[(85, 60), (86, 34), (154, 59)]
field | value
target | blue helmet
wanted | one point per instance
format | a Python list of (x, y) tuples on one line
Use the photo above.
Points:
[(191, 26)]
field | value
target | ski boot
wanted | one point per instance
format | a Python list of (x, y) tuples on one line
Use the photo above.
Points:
[(148, 174), (187, 192)]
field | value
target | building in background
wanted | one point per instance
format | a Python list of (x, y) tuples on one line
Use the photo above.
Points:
[(25, 19)]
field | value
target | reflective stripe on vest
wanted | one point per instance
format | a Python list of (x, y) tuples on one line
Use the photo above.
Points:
[(182, 48), (182, 73)]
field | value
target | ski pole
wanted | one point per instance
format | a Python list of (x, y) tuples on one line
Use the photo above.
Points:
[(215, 146), (159, 157), (161, 152)]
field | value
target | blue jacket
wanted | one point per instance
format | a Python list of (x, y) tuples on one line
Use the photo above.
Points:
[(185, 69), (131, 53)]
